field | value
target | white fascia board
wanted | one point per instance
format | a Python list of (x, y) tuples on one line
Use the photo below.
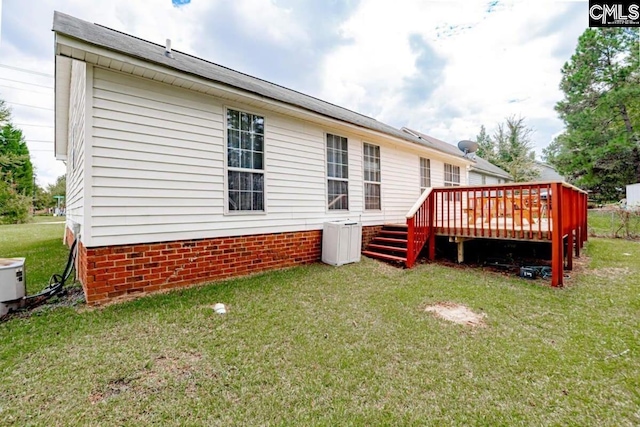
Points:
[(62, 92)]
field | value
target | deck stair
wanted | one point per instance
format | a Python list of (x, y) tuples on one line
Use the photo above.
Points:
[(389, 245)]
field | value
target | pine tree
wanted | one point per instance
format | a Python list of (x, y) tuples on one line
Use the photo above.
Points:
[(601, 111)]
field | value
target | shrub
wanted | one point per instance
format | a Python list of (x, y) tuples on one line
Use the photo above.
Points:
[(14, 207)]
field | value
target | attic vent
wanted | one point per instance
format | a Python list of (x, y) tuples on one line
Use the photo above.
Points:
[(167, 51)]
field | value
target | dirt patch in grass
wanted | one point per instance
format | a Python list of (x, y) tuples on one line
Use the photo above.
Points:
[(457, 313), (611, 273)]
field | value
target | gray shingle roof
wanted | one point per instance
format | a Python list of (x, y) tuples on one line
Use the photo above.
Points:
[(120, 42), (479, 163)]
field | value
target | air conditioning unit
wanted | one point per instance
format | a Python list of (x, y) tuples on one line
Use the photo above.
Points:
[(341, 242), (12, 284)]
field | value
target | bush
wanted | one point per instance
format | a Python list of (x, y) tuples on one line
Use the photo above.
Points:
[(14, 207)]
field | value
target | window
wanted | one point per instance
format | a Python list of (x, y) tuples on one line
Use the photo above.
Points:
[(371, 176), (425, 174), (484, 179), (337, 173), (451, 175), (452, 179), (245, 161)]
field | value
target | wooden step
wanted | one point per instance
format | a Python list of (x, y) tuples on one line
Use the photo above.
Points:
[(385, 257), (390, 233), (389, 240), (387, 248)]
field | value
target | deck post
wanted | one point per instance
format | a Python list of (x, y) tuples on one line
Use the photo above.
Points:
[(571, 219), (410, 242), (432, 230), (557, 238)]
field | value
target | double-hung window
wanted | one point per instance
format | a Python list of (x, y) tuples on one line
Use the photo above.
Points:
[(425, 174), (245, 161), (451, 175), (337, 173), (452, 178), (371, 176)]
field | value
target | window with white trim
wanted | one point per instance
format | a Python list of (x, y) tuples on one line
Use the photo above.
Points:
[(452, 179), (425, 174), (371, 176), (337, 173), (245, 161), (451, 175)]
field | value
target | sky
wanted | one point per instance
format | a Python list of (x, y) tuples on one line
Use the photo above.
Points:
[(443, 68)]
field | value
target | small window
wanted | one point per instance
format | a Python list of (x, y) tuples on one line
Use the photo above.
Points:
[(484, 179), (371, 176), (451, 175), (337, 173), (245, 161), (425, 174)]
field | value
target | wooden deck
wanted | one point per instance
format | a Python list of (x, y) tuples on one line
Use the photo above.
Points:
[(551, 212)]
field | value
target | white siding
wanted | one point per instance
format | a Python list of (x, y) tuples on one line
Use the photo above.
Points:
[(76, 145), (158, 168), (475, 178)]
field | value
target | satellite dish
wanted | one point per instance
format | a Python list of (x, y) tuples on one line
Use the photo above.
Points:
[(467, 147)]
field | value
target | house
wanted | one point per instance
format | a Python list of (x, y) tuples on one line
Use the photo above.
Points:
[(480, 172), (181, 171), (547, 172)]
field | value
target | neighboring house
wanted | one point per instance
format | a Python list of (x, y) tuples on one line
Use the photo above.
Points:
[(182, 171), (481, 172), (547, 173)]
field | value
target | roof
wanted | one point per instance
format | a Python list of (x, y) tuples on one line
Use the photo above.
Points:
[(116, 41), (548, 172), (479, 164), (488, 167)]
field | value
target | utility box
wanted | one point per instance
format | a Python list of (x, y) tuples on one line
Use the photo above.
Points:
[(341, 242), (12, 283)]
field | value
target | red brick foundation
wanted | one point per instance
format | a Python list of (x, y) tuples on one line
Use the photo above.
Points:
[(368, 233), (116, 271)]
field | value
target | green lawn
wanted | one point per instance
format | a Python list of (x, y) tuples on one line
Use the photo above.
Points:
[(609, 223), (352, 345)]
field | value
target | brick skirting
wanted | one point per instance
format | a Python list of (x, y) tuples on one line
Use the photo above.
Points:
[(116, 271)]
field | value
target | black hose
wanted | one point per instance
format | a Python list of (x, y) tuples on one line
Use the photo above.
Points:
[(56, 281)]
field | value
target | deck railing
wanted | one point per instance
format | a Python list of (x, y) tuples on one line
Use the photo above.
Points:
[(420, 221), (548, 211)]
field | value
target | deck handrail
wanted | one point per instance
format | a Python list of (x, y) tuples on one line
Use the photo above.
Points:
[(425, 194)]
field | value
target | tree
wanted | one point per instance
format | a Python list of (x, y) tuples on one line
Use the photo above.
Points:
[(15, 163), (5, 112), (510, 149), (486, 147), (59, 188), (601, 111), (14, 207)]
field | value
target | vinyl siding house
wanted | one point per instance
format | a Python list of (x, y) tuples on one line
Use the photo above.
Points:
[(181, 171), (480, 171)]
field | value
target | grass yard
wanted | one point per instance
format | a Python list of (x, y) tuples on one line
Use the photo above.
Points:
[(320, 345), (609, 223)]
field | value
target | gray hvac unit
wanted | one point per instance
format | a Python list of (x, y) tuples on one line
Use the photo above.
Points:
[(12, 283), (341, 242)]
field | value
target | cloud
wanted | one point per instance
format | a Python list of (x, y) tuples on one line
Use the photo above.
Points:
[(178, 3), (428, 75), (278, 41)]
